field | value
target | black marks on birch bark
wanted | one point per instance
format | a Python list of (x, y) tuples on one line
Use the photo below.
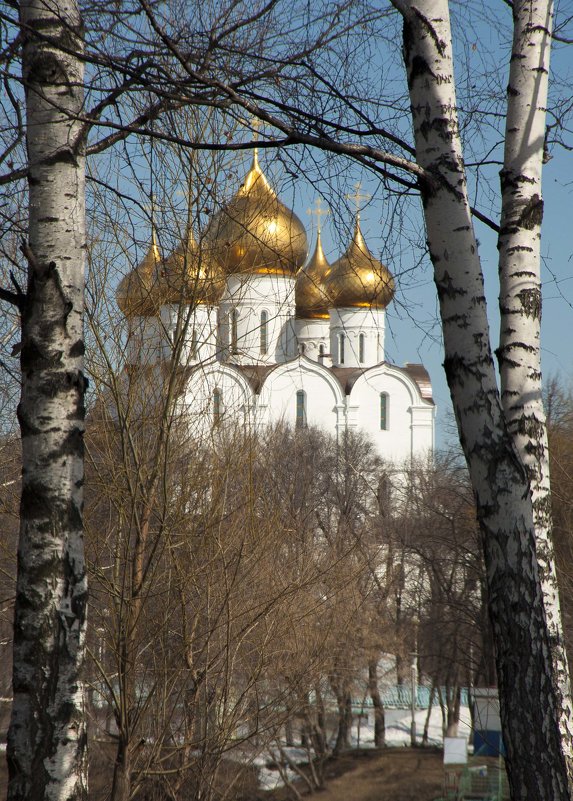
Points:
[(430, 30), (77, 349), (418, 67), (530, 300), (532, 215), (46, 70), (446, 286)]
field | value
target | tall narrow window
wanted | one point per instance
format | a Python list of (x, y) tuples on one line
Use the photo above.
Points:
[(361, 346), (194, 344), (217, 407), (234, 332), (321, 349), (301, 409), (341, 349), (384, 411), (264, 332)]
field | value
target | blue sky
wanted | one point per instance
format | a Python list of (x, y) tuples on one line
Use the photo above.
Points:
[(396, 232)]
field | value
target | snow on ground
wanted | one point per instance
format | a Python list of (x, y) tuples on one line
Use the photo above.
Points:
[(398, 723)]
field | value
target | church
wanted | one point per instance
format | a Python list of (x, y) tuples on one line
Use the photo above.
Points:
[(263, 335)]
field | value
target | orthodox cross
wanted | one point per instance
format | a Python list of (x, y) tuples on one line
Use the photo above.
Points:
[(150, 208), (357, 196), (318, 212), (255, 124)]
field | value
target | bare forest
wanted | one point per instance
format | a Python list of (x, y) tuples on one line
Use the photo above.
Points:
[(246, 587)]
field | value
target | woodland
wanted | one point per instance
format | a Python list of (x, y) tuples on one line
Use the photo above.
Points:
[(196, 645)]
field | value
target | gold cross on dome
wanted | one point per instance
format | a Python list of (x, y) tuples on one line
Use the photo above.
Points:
[(318, 212), (150, 207), (256, 124), (357, 196)]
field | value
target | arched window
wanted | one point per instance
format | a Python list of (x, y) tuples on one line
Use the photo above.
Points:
[(194, 344), (264, 332), (217, 406), (341, 348), (301, 409), (384, 410), (361, 347), (234, 332)]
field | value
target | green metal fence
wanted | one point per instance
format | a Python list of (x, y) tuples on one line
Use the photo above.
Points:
[(476, 783)]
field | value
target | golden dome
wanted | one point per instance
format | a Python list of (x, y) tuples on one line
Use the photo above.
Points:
[(310, 295), (357, 279), (138, 293), (255, 233), (191, 275)]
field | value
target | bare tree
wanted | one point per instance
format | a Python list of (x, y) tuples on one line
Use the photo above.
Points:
[(502, 429), (46, 741)]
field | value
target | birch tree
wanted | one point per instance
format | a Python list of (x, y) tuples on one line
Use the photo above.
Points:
[(47, 732), (502, 434), (198, 59)]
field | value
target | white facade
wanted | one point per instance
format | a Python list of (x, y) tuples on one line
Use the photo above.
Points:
[(274, 340), (257, 319), (242, 385), (313, 339), (385, 402), (357, 336), (193, 328)]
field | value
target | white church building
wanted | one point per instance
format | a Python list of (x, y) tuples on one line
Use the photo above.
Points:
[(264, 336)]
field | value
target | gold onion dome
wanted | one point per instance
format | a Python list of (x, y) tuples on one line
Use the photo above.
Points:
[(357, 279), (138, 293), (191, 275), (255, 233), (310, 295)]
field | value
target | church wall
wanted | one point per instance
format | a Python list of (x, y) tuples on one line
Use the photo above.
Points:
[(144, 339), (423, 428), (385, 397), (204, 411), (247, 297), (323, 398), (311, 335), (197, 326), (352, 324)]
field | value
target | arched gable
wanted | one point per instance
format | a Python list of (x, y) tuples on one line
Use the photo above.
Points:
[(387, 403), (278, 402), (387, 376), (215, 394)]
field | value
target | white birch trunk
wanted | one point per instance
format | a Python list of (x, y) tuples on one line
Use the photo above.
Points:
[(529, 704), (520, 304), (46, 739)]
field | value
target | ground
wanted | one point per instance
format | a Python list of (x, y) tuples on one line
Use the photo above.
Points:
[(393, 774), (398, 773)]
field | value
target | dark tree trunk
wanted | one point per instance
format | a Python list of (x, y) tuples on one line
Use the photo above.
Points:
[(121, 785), (428, 715), (344, 703), (379, 716)]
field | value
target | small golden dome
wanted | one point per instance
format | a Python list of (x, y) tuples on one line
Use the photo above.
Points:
[(191, 275), (357, 279), (255, 233), (138, 293), (310, 295)]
